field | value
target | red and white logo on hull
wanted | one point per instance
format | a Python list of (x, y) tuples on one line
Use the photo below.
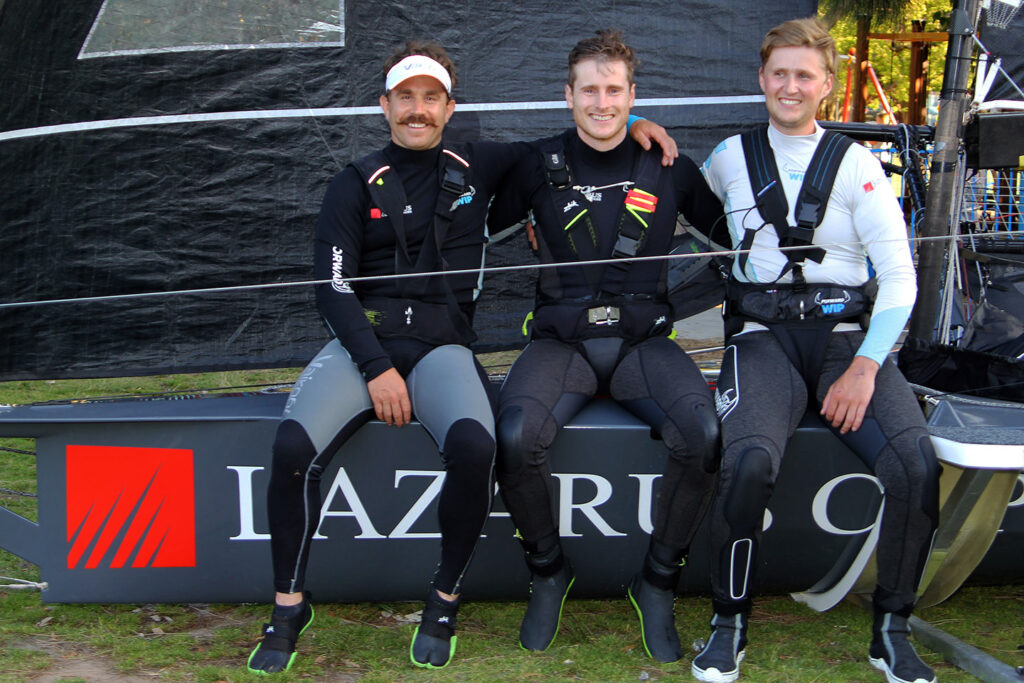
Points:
[(130, 507)]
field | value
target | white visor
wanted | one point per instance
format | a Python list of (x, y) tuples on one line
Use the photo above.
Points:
[(417, 65)]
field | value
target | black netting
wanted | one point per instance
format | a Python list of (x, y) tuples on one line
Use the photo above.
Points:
[(160, 208)]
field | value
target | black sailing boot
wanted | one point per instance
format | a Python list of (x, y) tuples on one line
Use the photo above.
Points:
[(276, 652), (652, 593), (719, 661), (433, 643), (892, 653), (552, 577)]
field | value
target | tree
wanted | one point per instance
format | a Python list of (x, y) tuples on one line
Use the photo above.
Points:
[(851, 21)]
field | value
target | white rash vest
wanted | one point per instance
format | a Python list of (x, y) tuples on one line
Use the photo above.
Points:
[(863, 221)]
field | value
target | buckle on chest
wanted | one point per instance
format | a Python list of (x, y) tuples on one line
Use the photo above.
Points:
[(603, 315)]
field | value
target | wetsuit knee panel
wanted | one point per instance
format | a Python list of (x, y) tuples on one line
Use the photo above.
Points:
[(468, 444), (907, 464), (752, 486), (293, 450), (511, 451), (695, 436)]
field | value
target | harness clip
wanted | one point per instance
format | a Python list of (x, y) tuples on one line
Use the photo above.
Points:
[(603, 315)]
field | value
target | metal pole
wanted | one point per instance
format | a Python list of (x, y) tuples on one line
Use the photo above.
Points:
[(937, 221)]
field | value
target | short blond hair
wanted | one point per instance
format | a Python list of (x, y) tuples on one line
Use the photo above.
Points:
[(802, 33)]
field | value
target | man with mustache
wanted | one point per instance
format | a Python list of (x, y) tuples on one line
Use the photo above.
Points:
[(604, 328), (400, 350)]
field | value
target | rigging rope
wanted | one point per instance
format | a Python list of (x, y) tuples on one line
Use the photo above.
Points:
[(485, 270)]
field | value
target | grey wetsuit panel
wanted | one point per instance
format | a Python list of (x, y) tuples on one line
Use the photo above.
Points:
[(445, 387), (332, 392)]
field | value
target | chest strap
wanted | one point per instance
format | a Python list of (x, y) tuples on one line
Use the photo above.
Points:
[(812, 201), (572, 208), (387, 192)]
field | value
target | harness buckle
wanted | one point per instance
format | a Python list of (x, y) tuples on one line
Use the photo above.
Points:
[(454, 181), (603, 315), (625, 246)]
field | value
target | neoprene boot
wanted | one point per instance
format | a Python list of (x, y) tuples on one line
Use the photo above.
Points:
[(433, 643), (892, 653), (652, 593), (544, 611), (719, 661), (276, 652)]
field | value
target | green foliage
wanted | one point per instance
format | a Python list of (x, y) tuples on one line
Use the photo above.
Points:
[(890, 58)]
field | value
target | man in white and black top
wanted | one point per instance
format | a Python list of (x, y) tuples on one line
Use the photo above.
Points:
[(796, 340)]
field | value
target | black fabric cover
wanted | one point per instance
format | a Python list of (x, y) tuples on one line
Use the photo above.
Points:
[(165, 208), (1005, 44), (962, 371)]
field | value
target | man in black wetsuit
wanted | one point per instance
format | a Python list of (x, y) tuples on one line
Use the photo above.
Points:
[(416, 206), (604, 329)]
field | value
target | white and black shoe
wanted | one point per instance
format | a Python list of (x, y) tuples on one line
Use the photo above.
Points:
[(719, 661), (892, 653)]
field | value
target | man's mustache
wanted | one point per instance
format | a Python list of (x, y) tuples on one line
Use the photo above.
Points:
[(418, 118)]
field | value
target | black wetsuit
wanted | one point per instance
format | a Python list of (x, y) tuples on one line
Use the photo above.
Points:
[(570, 358), (329, 400)]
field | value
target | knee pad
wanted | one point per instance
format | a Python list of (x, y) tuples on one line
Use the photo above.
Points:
[(511, 449), (293, 451), (908, 469), (698, 433), (467, 444), (752, 486)]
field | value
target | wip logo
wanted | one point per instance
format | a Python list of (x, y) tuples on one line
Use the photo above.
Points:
[(130, 507)]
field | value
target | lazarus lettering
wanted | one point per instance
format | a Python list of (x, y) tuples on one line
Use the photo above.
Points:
[(338, 281)]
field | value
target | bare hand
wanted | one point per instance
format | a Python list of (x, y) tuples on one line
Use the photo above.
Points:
[(390, 398), (531, 236), (644, 131), (848, 397)]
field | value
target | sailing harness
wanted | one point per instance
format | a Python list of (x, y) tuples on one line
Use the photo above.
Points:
[(610, 310), (801, 315), (408, 315)]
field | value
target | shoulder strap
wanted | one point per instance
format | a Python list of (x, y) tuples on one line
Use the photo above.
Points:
[(389, 196), (570, 208), (451, 176), (638, 208), (387, 192), (812, 200)]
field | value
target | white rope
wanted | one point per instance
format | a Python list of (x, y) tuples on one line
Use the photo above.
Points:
[(22, 584), (489, 269)]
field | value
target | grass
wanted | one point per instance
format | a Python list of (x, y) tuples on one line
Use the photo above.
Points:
[(598, 641)]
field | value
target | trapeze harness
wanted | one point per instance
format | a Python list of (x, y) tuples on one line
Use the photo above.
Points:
[(610, 310), (801, 315), (408, 315)]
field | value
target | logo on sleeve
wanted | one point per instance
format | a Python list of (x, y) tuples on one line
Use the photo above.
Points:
[(868, 187)]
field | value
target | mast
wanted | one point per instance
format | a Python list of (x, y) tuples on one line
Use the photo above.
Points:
[(938, 222)]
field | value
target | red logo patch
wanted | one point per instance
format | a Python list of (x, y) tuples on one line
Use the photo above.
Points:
[(130, 507), (868, 187), (375, 213)]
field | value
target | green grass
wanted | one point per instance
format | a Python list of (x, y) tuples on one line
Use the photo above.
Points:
[(598, 641)]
